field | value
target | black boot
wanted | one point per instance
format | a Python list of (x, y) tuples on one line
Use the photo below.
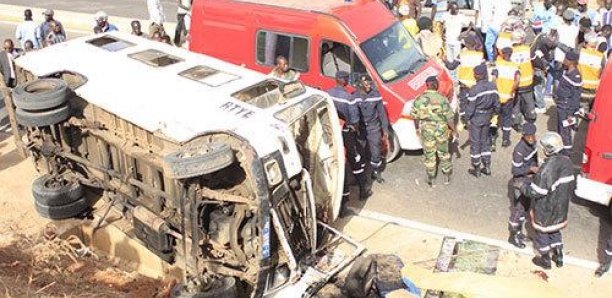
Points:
[(475, 170), (558, 256), (486, 170), (516, 239), (542, 261), (364, 193), (604, 267), (430, 180), (377, 176)]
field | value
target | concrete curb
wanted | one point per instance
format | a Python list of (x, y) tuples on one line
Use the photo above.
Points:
[(569, 260), (74, 21)]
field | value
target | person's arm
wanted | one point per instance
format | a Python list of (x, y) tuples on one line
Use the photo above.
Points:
[(538, 188), (452, 65), (471, 104), (183, 6), (517, 80), (433, 9), (418, 8), (382, 115), (18, 33), (518, 161)]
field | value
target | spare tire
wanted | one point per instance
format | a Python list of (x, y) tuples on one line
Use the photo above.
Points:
[(222, 287), (42, 118), (73, 209), (41, 94), (199, 160), (56, 190)]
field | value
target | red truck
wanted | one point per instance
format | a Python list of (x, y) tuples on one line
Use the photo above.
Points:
[(595, 182), (320, 38)]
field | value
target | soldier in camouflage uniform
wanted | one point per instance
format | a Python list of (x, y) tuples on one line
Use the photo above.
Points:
[(433, 118)]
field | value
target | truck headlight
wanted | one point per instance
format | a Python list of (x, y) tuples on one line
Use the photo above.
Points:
[(273, 172)]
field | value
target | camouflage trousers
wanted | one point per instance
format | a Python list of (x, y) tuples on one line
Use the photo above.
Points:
[(434, 137)]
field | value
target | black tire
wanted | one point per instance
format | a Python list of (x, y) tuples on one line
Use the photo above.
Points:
[(42, 118), (56, 191), (41, 94), (225, 287), (62, 212), (193, 162), (361, 277)]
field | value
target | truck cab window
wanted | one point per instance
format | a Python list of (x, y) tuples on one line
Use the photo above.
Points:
[(271, 45), (336, 56)]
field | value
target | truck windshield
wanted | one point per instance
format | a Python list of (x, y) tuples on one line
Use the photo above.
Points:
[(394, 53)]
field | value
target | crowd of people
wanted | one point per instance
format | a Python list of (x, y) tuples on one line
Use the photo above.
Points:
[(30, 35), (506, 64)]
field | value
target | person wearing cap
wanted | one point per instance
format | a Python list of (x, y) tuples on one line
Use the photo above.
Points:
[(469, 57), (568, 35), (376, 123), (524, 104), (590, 63), (567, 99), (583, 11), (434, 121), (407, 21), (44, 29), (506, 76), (550, 191), (482, 104), (101, 19), (348, 112), (524, 166)]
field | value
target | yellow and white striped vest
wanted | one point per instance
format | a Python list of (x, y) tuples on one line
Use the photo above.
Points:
[(589, 65), (465, 72), (506, 70), (521, 55)]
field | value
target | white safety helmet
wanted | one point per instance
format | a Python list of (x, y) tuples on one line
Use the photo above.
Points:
[(591, 38), (101, 15), (551, 143), (404, 10)]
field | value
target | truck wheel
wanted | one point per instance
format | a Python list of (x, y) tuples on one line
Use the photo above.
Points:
[(56, 190), (40, 94), (62, 212), (201, 160), (223, 287), (42, 118), (360, 278), (394, 147)]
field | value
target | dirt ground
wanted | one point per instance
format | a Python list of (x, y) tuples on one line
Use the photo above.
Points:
[(32, 265)]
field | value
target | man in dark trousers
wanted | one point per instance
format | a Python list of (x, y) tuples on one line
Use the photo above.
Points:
[(524, 166), (605, 266), (482, 103), (550, 191), (376, 123), (348, 111), (7, 66), (567, 99)]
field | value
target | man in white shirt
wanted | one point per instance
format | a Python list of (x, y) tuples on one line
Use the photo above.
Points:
[(156, 16), (27, 30), (454, 22), (7, 67), (568, 34), (484, 15), (500, 14), (183, 9)]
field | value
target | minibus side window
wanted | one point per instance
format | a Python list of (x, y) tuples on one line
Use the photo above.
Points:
[(271, 45), (336, 56)]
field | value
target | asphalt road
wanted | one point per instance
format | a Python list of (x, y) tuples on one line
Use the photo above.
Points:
[(477, 206)]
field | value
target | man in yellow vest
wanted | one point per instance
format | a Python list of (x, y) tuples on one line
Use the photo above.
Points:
[(524, 103), (506, 76), (469, 57), (590, 64)]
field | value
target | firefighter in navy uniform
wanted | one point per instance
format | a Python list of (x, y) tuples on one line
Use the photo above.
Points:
[(524, 166), (550, 192), (482, 104), (374, 117), (567, 99), (348, 111)]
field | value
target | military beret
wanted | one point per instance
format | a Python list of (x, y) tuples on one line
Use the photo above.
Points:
[(342, 74), (480, 70), (529, 129), (571, 56)]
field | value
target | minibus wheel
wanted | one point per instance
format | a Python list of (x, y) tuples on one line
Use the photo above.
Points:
[(73, 209), (199, 160), (41, 94), (394, 149), (56, 190), (42, 118)]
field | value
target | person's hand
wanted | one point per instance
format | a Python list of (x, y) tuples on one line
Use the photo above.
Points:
[(518, 184), (534, 169)]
